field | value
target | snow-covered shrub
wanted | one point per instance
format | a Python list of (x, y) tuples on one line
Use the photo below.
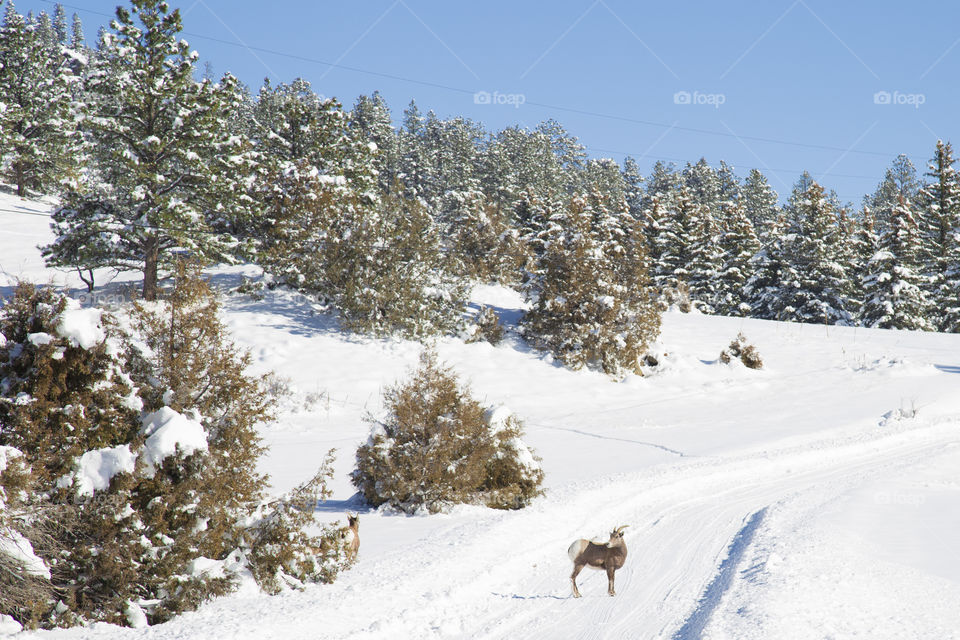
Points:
[(437, 446), (139, 435), (379, 263), (486, 326), (486, 247), (592, 301), (747, 353), (677, 297)]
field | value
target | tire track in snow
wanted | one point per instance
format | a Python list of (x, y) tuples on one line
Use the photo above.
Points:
[(697, 622)]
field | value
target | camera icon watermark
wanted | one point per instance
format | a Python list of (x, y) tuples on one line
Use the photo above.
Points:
[(498, 98), (899, 98), (699, 98)]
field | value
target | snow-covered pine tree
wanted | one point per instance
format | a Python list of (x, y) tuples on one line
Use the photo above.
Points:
[(864, 241), (899, 181), (60, 23), (168, 168), (453, 149), (633, 182), (892, 294), (371, 117), (76, 33), (816, 287), (547, 160), (44, 28), (729, 187), (415, 164), (739, 244), (531, 216), (759, 200), (673, 220), (770, 270), (939, 226), (604, 175), (295, 125), (704, 257), (40, 140), (592, 304), (703, 184)]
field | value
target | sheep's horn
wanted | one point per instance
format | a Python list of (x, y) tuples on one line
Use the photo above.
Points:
[(620, 529)]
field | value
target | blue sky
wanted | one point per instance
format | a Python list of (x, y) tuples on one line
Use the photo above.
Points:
[(835, 88)]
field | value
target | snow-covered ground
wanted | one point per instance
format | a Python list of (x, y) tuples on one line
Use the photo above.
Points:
[(818, 497)]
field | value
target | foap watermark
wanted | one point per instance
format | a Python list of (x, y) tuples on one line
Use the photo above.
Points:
[(899, 498), (103, 299), (899, 98), (498, 98), (699, 98)]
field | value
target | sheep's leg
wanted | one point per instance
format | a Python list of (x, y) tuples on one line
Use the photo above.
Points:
[(573, 579), (610, 572)]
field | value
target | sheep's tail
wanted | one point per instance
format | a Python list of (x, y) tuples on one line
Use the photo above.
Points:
[(576, 548)]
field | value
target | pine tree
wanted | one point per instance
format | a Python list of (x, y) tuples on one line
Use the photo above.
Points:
[(864, 242), (60, 23), (40, 140), (939, 225), (899, 181), (730, 189), (770, 270), (76, 34), (759, 200), (893, 297), (815, 287), (677, 220), (703, 184), (633, 182), (604, 175), (704, 257), (371, 117), (168, 169), (296, 125), (592, 305), (739, 244)]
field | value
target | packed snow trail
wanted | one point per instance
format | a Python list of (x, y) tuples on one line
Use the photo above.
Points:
[(505, 574), (693, 628)]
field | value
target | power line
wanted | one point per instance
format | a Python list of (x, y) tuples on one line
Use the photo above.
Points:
[(543, 105)]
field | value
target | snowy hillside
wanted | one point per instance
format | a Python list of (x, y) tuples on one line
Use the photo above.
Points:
[(817, 497)]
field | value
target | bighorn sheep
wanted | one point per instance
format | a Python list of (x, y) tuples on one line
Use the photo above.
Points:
[(350, 535), (609, 556)]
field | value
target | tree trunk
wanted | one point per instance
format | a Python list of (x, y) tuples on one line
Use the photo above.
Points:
[(151, 255), (20, 177)]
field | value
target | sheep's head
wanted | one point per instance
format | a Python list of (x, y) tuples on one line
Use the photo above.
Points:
[(616, 536)]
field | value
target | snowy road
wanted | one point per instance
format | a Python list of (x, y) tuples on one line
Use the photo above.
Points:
[(499, 575)]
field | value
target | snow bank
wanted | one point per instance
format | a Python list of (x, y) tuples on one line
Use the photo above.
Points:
[(96, 468), (167, 430), (82, 327), (135, 616), (6, 455), (9, 626), (13, 544)]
